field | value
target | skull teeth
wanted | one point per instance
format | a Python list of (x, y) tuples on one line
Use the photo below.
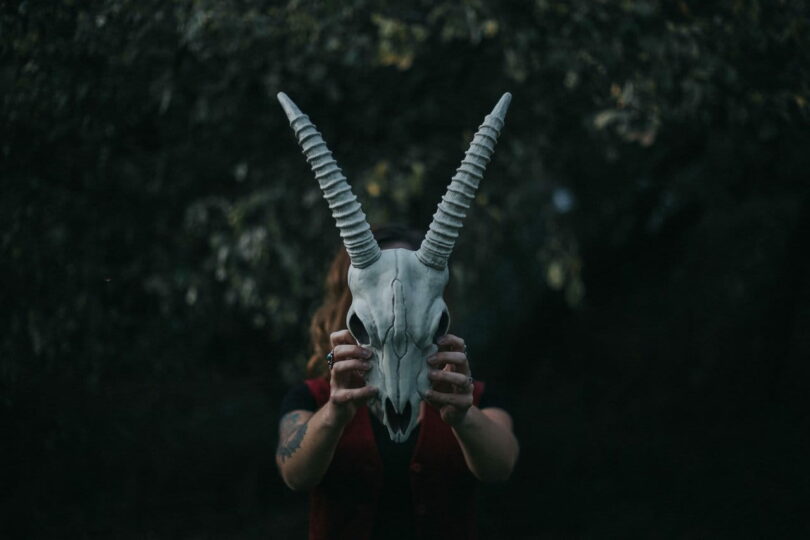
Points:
[(399, 422)]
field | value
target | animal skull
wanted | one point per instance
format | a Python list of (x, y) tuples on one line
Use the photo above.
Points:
[(397, 309)]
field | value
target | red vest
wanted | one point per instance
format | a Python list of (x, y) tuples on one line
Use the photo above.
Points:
[(343, 505)]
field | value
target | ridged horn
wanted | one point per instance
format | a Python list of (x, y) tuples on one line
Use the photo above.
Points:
[(349, 217), (449, 217)]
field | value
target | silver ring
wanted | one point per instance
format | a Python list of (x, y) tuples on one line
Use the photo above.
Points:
[(330, 359)]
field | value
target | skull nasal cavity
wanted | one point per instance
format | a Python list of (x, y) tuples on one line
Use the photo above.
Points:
[(400, 336), (358, 330)]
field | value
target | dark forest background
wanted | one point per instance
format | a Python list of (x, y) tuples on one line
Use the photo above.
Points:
[(633, 276)]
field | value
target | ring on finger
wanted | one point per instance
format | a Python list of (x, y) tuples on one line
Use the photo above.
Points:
[(330, 360)]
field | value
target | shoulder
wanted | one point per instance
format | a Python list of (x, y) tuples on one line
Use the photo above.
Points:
[(320, 389), (493, 398), (495, 406), (297, 398)]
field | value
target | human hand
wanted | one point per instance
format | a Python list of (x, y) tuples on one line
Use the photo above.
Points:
[(348, 385), (451, 384)]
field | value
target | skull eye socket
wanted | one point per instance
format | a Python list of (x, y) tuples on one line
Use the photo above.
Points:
[(358, 330), (444, 324)]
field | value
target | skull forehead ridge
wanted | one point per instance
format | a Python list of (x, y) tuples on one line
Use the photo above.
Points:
[(398, 293)]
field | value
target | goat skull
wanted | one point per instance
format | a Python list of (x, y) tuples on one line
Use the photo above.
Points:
[(397, 309)]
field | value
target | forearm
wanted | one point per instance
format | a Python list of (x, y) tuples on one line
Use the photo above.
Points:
[(489, 446), (306, 447)]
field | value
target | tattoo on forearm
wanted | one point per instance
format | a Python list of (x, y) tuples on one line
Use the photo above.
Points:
[(292, 432)]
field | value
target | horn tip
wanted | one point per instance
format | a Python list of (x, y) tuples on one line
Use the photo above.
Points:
[(503, 105), (290, 109)]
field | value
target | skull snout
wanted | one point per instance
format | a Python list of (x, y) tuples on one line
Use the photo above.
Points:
[(403, 381), (402, 377)]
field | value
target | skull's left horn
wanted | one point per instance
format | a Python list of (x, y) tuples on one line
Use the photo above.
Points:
[(349, 217), (448, 219)]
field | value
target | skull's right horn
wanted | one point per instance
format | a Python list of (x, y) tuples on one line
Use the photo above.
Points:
[(448, 219), (349, 217)]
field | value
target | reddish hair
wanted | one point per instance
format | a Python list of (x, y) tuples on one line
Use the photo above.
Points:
[(331, 316)]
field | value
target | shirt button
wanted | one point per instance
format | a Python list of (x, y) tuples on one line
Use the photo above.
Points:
[(416, 467)]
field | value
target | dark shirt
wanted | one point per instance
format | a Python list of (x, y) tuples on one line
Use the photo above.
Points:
[(394, 517)]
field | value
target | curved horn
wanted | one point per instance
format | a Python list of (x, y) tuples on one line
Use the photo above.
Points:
[(448, 219), (349, 217)]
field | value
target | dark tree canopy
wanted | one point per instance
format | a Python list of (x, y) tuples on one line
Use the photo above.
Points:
[(634, 273)]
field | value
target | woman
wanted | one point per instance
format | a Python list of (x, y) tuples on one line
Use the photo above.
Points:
[(362, 484)]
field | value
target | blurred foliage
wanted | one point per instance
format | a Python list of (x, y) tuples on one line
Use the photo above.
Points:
[(640, 238)]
